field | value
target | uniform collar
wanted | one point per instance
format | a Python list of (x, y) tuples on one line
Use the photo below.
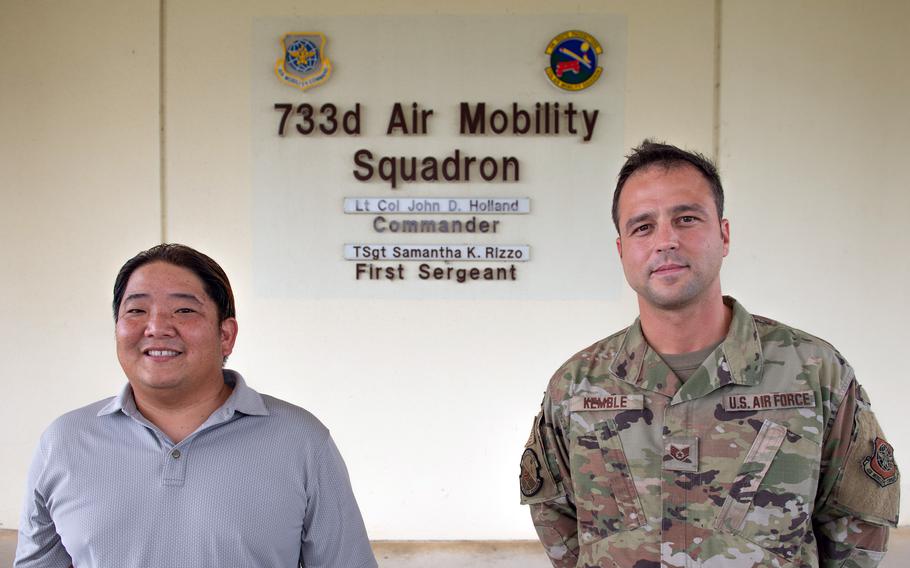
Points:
[(737, 360)]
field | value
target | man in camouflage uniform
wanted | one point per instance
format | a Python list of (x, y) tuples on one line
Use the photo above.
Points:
[(703, 435)]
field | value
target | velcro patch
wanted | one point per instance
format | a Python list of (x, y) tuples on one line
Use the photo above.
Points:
[(535, 480), (880, 465), (769, 401), (530, 479), (607, 402), (857, 490), (681, 454)]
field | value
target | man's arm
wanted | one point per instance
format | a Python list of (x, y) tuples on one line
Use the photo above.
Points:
[(39, 545), (546, 486), (859, 489), (333, 532)]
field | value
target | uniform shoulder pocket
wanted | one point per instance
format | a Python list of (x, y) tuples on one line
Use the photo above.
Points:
[(869, 485), (536, 481)]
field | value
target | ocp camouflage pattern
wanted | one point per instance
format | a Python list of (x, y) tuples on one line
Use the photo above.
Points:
[(683, 481)]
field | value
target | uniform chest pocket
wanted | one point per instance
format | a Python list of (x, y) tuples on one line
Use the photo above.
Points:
[(771, 498), (605, 493)]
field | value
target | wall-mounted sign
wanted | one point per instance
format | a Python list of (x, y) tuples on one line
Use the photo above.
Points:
[(435, 133)]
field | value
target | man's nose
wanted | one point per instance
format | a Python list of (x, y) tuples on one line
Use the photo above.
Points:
[(667, 238), (159, 324)]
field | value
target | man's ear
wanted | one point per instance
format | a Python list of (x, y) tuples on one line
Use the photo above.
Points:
[(228, 336), (725, 234)]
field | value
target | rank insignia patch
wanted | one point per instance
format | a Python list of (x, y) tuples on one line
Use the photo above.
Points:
[(681, 454), (303, 63), (530, 478), (573, 60), (880, 465)]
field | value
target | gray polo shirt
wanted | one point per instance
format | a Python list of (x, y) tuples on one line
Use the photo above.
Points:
[(260, 483)]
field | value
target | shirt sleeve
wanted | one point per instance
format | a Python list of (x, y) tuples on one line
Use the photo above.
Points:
[(546, 487), (334, 535), (859, 491), (39, 545)]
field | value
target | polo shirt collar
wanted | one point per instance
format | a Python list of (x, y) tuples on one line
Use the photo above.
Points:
[(243, 399)]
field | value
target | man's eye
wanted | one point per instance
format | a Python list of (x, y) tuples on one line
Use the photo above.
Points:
[(135, 311), (185, 310), (687, 219), (641, 228)]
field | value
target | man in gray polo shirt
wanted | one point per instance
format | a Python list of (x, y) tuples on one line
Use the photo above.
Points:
[(187, 466)]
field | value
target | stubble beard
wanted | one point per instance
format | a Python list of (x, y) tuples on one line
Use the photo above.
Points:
[(673, 299), (674, 296)]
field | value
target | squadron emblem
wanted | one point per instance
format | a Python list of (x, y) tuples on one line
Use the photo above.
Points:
[(880, 465), (573, 60), (304, 63), (530, 478)]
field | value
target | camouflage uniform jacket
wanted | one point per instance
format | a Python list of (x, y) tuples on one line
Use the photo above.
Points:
[(768, 455)]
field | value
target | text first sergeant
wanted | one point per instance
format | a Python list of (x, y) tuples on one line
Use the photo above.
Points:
[(703, 435), (187, 466)]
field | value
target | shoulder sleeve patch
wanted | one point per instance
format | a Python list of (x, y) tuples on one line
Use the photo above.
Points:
[(869, 485), (535, 479)]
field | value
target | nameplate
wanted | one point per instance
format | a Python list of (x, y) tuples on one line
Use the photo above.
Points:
[(607, 402), (769, 401)]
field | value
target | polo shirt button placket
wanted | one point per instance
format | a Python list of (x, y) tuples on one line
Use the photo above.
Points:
[(174, 468)]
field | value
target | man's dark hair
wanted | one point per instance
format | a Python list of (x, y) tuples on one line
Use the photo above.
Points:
[(650, 153), (214, 280)]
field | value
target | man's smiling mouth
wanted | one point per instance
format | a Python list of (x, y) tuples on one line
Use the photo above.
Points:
[(162, 352)]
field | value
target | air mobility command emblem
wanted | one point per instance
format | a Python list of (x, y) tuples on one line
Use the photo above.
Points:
[(880, 465), (303, 63), (573, 60)]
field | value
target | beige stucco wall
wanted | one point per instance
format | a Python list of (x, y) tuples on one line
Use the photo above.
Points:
[(431, 400), (79, 182), (813, 129)]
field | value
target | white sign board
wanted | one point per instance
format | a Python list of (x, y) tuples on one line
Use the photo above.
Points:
[(436, 132)]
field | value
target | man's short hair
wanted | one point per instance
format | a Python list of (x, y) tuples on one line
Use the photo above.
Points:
[(650, 153), (214, 280)]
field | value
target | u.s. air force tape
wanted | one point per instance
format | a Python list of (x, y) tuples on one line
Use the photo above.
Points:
[(769, 401), (582, 403)]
